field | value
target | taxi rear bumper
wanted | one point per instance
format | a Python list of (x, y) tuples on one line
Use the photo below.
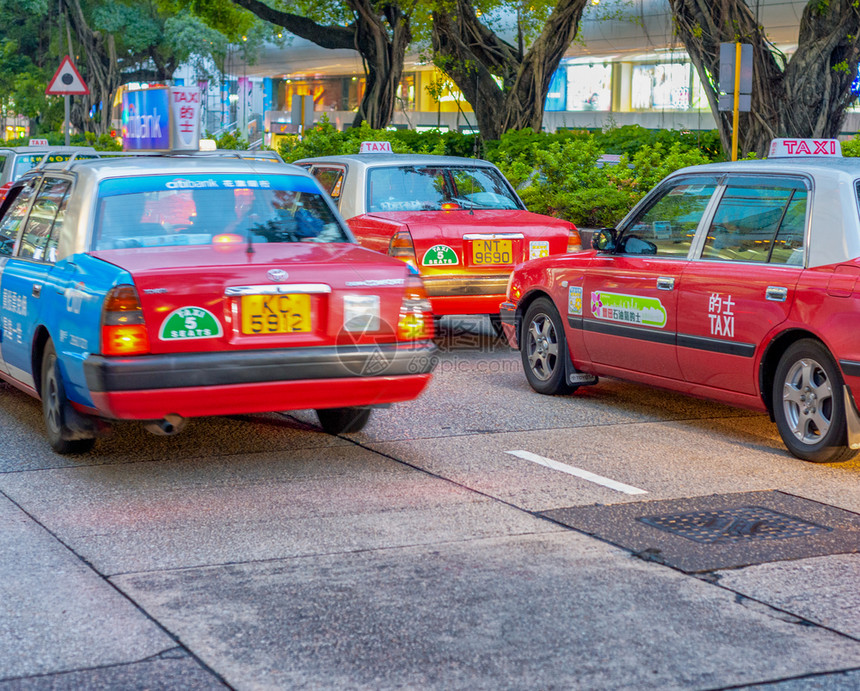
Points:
[(465, 294), (196, 384)]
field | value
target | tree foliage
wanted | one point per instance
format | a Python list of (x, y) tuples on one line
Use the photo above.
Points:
[(505, 84), (802, 96)]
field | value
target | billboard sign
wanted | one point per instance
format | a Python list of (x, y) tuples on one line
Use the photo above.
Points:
[(161, 119), (145, 120)]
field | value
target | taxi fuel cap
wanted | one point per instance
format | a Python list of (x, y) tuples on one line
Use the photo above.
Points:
[(784, 148)]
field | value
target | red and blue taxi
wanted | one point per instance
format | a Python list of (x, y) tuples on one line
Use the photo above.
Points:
[(161, 289), (456, 220), (736, 282)]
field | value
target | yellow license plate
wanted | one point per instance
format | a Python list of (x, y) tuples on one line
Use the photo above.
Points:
[(276, 314), (492, 252)]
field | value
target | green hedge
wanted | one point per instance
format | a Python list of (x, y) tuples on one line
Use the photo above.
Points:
[(554, 173)]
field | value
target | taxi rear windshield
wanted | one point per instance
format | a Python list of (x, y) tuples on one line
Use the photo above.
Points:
[(434, 188), (164, 211)]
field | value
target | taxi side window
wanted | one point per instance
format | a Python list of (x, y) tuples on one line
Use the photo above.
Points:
[(667, 226), (41, 233), (11, 222), (331, 180), (759, 220)]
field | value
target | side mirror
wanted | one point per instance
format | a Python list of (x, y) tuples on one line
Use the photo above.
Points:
[(604, 240)]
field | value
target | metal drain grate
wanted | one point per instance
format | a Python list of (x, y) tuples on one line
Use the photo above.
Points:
[(734, 525), (719, 531)]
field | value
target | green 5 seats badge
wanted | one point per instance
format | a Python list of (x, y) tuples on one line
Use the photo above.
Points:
[(440, 255), (190, 322)]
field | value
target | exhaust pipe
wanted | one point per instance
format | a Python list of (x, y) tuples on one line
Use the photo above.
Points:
[(166, 427)]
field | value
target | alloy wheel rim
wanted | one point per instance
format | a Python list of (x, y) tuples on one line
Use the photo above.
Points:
[(807, 400), (542, 347), (53, 402)]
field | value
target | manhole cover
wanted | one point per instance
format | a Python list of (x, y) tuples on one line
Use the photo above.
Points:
[(747, 523), (720, 531)]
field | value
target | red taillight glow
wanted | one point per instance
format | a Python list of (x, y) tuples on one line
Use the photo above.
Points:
[(123, 328), (401, 246), (124, 340), (416, 314), (574, 241)]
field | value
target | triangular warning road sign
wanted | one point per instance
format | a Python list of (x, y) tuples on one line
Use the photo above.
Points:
[(67, 81)]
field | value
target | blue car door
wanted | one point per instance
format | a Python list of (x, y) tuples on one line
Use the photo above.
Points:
[(26, 278), (13, 305)]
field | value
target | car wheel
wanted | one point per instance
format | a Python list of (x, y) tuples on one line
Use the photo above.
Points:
[(543, 349), (55, 408), (343, 420), (808, 404)]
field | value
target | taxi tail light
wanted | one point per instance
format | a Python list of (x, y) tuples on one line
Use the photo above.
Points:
[(401, 246), (574, 241), (123, 327), (416, 314), (4, 190)]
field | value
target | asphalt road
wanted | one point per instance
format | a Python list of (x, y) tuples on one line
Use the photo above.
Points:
[(481, 537)]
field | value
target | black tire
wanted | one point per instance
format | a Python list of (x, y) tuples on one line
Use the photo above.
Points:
[(808, 404), (496, 323), (543, 348), (343, 420), (56, 408)]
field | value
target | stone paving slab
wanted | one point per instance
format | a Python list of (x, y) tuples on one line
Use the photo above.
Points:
[(556, 611), (57, 614), (824, 590), (174, 669), (169, 515)]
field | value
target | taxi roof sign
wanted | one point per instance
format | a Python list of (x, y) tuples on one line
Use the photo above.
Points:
[(33, 141), (375, 148), (784, 148)]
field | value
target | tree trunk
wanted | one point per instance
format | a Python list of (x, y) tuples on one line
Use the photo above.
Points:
[(101, 73), (381, 47), (382, 56), (473, 56), (805, 98)]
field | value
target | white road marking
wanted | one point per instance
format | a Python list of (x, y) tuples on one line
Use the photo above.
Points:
[(578, 472)]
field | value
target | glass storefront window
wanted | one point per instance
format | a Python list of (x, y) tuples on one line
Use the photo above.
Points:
[(589, 87), (661, 86)]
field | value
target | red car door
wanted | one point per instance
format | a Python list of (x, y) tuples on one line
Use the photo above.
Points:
[(630, 295), (743, 283)]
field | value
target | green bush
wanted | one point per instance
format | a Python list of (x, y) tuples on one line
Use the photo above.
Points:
[(554, 173)]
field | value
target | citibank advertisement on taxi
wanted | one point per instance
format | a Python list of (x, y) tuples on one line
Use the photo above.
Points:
[(161, 119)]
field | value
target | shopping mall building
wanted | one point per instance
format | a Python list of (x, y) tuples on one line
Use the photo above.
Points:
[(626, 66)]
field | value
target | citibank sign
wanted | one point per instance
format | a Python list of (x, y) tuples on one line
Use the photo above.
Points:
[(161, 119)]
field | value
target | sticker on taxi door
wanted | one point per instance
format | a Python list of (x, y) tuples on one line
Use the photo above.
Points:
[(188, 323), (629, 309)]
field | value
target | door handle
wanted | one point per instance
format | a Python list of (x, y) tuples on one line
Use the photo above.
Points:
[(776, 293), (37, 290), (665, 283)]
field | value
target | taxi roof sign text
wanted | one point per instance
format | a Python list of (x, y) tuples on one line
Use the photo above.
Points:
[(375, 148), (782, 148)]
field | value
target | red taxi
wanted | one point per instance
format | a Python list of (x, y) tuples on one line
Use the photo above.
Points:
[(736, 282), (456, 220), (161, 289)]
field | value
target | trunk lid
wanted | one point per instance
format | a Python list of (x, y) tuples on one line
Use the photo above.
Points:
[(205, 298), (482, 241)]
